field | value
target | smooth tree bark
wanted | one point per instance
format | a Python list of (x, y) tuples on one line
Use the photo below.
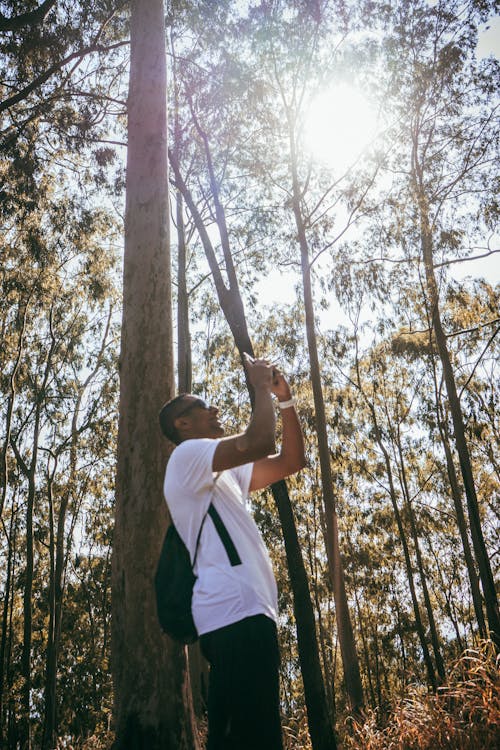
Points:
[(434, 635), (6, 634), (153, 707), (350, 661), (456, 494), (184, 353)]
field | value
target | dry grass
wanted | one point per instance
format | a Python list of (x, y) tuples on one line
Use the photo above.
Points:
[(464, 715)]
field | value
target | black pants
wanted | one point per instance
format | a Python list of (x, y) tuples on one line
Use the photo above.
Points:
[(243, 690)]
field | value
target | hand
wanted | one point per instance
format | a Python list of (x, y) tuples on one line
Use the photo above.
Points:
[(280, 386), (260, 372)]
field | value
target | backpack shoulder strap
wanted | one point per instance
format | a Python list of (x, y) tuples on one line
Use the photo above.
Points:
[(223, 533), (226, 540)]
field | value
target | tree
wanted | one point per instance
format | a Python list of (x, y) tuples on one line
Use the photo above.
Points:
[(445, 85), (152, 699)]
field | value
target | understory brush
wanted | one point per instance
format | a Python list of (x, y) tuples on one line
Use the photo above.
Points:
[(463, 715)]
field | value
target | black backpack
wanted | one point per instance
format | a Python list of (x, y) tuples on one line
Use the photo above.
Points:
[(174, 579)]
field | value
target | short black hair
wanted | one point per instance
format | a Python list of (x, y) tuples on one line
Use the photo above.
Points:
[(167, 416)]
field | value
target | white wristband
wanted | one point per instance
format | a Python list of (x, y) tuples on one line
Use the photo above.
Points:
[(286, 404)]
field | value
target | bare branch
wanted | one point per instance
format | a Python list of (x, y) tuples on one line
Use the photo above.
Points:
[(41, 79)]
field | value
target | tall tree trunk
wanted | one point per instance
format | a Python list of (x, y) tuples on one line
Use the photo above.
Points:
[(348, 650), (459, 510), (483, 562), (184, 358), (198, 665), (435, 639), (29, 472), (402, 535), (7, 603), (153, 708), (51, 651), (60, 545), (409, 569), (366, 653), (320, 726), (5, 484)]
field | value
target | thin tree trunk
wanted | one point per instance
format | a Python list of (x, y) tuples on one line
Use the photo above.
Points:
[(184, 358), (5, 616), (5, 484), (400, 633), (29, 472), (446, 591), (459, 510), (58, 557), (12, 728), (483, 562), (153, 706), (435, 639), (366, 652), (409, 570), (349, 654), (51, 658), (324, 636), (10, 409), (320, 727)]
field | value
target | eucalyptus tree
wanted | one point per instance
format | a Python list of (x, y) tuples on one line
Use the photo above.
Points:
[(218, 199), (447, 136), (58, 308), (296, 60), (153, 706)]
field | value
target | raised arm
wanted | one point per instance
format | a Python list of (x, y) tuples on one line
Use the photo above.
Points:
[(258, 440), (291, 458)]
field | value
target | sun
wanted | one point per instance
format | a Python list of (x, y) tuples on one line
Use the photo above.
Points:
[(339, 125)]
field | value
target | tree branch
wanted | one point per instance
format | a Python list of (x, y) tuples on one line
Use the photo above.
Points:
[(39, 80), (26, 19)]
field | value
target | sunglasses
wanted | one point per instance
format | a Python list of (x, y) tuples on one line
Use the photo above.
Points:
[(191, 405)]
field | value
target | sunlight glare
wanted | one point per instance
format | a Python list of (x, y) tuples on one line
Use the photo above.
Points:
[(339, 125)]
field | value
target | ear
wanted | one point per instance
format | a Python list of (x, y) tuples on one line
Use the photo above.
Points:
[(181, 423)]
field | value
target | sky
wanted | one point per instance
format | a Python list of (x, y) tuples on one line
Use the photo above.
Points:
[(280, 287)]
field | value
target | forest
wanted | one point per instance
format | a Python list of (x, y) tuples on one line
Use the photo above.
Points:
[(313, 181)]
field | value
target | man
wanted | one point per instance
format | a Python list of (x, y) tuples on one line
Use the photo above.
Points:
[(234, 604)]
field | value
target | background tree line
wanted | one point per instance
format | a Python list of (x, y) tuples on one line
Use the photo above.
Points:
[(385, 546)]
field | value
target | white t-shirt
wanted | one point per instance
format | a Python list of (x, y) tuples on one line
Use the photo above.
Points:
[(222, 594)]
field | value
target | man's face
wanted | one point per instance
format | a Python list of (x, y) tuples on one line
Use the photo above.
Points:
[(198, 420)]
